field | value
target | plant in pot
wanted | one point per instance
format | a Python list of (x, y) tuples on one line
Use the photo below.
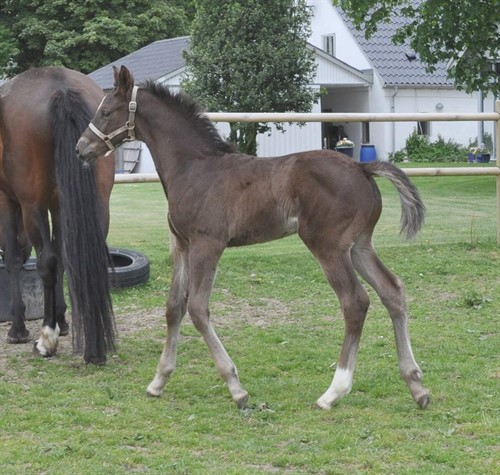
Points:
[(345, 146), (482, 154)]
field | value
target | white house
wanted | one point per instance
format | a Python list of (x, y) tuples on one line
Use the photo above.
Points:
[(357, 75)]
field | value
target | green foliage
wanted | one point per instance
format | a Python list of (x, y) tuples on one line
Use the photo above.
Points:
[(397, 157), (465, 36), (420, 149), (251, 56), (83, 35)]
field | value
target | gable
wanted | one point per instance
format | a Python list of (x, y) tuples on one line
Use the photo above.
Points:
[(333, 72)]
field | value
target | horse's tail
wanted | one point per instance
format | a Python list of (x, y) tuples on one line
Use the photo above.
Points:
[(412, 207), (84, 249)]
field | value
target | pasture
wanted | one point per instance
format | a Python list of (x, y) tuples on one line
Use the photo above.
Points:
[(281, 324)]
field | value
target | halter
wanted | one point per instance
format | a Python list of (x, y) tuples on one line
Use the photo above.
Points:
[(129, 126)]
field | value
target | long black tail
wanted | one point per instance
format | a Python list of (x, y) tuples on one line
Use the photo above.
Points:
[(412, 207), (85, 253)]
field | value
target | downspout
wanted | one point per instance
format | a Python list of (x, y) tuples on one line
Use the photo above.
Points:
[(480, 124), (393, 109)]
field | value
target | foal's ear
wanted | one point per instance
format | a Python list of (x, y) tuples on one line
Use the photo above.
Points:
[(124, 82)]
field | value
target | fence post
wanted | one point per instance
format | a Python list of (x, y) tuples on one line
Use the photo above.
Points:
[(497, 158)]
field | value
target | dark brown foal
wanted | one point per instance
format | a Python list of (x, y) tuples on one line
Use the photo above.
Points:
[(220, 198)]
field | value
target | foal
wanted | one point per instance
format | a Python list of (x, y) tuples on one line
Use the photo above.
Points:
[(219, 198)]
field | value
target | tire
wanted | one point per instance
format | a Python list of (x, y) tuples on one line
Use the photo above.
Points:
[(130, 268)]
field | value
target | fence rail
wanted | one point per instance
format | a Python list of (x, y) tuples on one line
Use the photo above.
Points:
[(367, 117)]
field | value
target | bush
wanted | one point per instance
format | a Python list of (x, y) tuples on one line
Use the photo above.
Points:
[(420, 149)]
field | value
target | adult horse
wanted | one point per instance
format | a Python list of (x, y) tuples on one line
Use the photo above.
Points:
[(42, 113), (219, 198)]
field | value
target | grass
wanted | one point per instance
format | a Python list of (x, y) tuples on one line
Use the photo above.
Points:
[(282, 326)]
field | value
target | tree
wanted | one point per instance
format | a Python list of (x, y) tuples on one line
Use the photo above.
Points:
[(465, 34), (83, 35), (251, 56)]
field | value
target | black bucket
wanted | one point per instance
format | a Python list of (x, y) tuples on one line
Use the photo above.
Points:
[(31, 290)]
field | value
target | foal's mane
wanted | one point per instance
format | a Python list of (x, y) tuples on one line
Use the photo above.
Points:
[(193, 111)]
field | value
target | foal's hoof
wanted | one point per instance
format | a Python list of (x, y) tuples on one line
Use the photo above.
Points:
[(241, 400), (423, 401)]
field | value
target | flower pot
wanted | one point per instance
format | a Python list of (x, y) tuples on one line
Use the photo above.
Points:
[(483, 158), (349, 151)]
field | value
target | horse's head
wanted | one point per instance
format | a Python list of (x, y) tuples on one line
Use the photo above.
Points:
[(113, 122)]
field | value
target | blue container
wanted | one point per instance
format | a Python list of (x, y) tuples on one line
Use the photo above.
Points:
[(367, 153)]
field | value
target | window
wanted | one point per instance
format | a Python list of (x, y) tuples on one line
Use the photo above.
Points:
[(365, 132), (423, 128), (329, 44)]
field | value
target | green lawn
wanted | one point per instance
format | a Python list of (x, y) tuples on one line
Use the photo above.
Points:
[(281, 324)]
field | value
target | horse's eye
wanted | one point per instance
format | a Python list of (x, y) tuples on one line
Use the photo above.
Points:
[(105, 112)]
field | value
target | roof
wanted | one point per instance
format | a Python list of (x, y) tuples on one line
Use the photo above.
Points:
[(394, 63), (150, 62), (398, 65)]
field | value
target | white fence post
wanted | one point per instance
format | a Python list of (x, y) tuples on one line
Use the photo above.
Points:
[(497, 157)]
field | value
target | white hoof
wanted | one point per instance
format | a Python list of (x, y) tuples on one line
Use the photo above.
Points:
[(153, 389), (46, 345), (322, 403)]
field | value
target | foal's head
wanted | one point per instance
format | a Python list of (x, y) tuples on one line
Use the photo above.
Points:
[(113, 122)]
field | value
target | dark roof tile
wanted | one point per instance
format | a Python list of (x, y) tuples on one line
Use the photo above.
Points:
[(150, 62)]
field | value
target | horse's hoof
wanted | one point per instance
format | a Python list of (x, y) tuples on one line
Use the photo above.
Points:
[(95, 360), (18, 337), (40, 350), (63, 328)]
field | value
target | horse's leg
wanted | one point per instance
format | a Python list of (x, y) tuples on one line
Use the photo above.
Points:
[(203, 261), (176, 309), (337, 266), (14, 260), (37, 226), (390, 289)]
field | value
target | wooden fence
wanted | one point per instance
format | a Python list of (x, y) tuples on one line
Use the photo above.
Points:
[(368, 117)]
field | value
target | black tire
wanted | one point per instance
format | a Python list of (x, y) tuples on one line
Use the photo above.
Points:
[(130, 268)]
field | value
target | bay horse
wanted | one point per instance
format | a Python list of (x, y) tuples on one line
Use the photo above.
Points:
[(219, 198), (52, 201)]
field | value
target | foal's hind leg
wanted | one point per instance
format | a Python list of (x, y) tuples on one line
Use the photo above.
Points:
[(354, 302), (176, 309), (391, 291)]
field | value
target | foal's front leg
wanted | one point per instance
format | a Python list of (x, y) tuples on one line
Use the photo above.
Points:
[(176, 309), (202, 267)]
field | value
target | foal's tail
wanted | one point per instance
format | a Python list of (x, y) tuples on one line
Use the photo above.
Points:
[(84, 249), (412, 207)]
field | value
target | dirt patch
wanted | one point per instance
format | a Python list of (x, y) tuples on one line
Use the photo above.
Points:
[(262, 314)]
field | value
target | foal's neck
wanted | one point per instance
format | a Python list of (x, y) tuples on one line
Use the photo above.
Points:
[(174, 137)]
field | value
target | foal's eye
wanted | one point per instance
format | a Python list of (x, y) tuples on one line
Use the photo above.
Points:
[(105, 112)]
